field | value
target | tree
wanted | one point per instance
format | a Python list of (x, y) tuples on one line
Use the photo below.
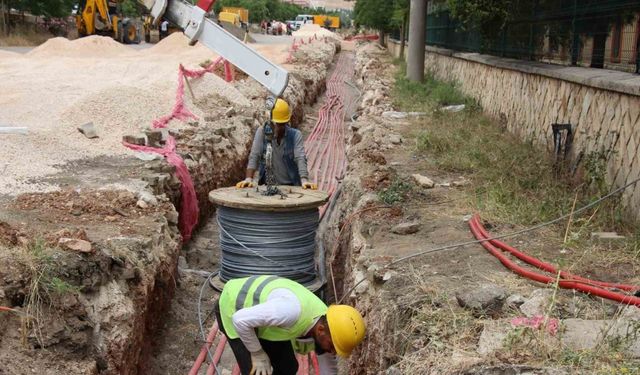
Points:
[(374, 14), (400, 20), (526, 22)]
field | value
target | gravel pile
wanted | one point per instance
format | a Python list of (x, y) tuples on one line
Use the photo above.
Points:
[(64, 84)]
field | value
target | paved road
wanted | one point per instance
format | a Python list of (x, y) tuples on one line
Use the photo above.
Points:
[(271, 39)]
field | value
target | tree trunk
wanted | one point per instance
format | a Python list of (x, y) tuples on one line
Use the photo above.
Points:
[(3, 18), (403, 34), (381, 36), (599, 45), (417, 31)]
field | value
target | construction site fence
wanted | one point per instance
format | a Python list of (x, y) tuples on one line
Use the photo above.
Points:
[(588, 33)]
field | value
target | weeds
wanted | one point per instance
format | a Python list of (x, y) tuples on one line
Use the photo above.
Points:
[(44, 285), (395, 193), (23, 36)]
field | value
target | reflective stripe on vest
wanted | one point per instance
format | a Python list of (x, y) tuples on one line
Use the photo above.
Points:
[(242, 293)]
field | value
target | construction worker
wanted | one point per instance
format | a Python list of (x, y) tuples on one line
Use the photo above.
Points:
[(164, 29), (264, 317), (289, 162)]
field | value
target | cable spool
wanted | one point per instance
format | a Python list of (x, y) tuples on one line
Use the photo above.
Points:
[(268, 235)]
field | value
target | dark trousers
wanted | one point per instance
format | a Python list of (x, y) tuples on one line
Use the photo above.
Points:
[(281, 354)]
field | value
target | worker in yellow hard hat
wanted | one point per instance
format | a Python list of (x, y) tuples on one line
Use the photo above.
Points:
[(267, 319), (281, 147)]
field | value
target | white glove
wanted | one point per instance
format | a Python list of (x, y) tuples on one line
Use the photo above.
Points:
[(261, 365)]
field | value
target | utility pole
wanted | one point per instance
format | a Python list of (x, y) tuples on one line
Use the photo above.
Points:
[(417, 31)]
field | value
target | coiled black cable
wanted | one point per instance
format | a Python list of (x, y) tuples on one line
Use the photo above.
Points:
[(268, 243)]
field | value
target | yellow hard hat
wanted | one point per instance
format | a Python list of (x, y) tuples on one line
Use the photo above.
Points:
[(280, 112), (347, 328)]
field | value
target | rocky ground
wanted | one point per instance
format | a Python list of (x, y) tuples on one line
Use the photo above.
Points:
[(457, 311)]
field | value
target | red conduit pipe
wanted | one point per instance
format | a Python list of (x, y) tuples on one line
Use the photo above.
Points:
[(566, 284), (236, 370), (549, 267), (217, 355), (205, 348)]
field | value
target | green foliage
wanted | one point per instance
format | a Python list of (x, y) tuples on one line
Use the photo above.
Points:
[(374, 14), (395, 193), (269, 9), (130, 8), (47, 8)]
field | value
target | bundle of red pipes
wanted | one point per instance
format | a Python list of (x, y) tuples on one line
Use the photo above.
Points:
[(564, 279), (325, 146)]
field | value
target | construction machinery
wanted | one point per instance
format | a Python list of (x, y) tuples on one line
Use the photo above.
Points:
[(242, 13), (328, 22), (102, 17), (198, 28)]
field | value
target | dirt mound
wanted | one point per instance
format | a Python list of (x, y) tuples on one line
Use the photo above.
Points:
[(90, 46), (311, 30), (175, 43)]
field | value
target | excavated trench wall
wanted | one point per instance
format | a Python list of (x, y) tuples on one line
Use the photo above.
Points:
[(127, 280), (348, 250)]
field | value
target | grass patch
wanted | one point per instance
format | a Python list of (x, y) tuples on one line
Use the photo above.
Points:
[(23, 36), (44, 285), (428, 95), (515, 181)]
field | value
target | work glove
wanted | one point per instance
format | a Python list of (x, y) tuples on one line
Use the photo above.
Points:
[(260, 363), (308, 185), (246, 183)]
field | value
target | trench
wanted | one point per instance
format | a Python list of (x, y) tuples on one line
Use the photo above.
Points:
[(177, 335)]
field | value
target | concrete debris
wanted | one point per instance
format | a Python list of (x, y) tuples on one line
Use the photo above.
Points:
[(155, 137), (453, 108), (423, 181), (484, 300), (13, 130), (75, 244), (401, 115), (138, 139), (492, 336), (606, 236), (466, 218), (147, 156), (537, 303), (230, 112), (89, 130), (393, 370), (395, 139), (514, 301), (147, 197), (461, 182), (182, 263), (443, 184), (142, 204), (463, 359), (172, 217), (406, 228), (580, 334)]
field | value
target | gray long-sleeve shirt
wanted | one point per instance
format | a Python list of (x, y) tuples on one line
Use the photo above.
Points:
[(279, 165)]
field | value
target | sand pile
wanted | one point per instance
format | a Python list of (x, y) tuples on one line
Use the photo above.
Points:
[(90, 46), (175, 43)]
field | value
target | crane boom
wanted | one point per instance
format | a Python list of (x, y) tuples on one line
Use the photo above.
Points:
[(200, 29)]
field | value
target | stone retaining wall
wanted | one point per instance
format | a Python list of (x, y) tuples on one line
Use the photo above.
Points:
[(602, 106)]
